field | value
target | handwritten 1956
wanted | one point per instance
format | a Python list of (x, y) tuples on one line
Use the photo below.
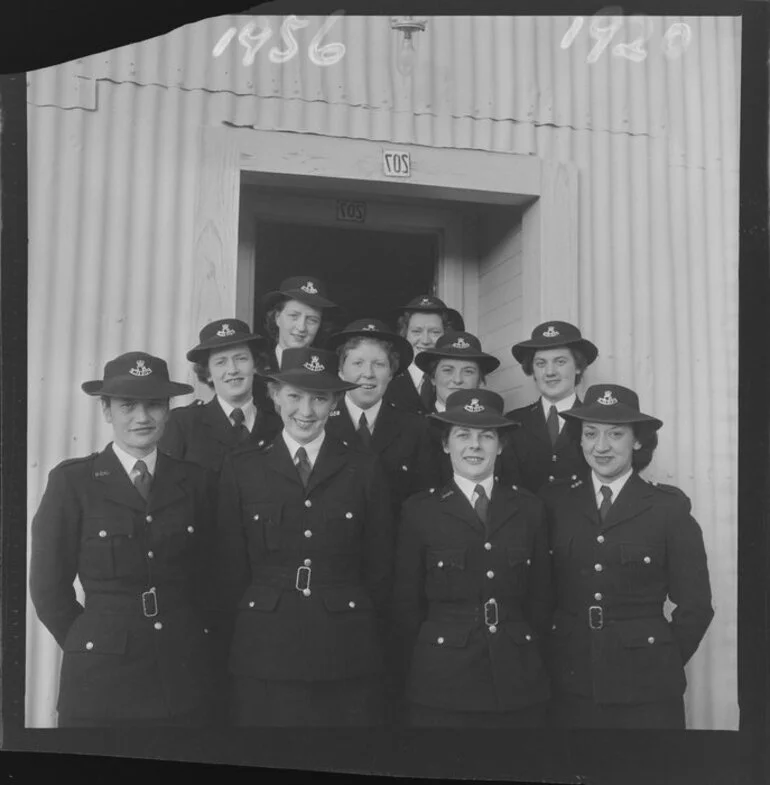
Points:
[(253, 41), (608, 21)]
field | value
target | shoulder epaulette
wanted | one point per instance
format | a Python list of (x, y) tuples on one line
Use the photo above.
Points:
[(75, 461), (672, 489)]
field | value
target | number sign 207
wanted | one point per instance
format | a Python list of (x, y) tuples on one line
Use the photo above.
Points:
[(396, 164)]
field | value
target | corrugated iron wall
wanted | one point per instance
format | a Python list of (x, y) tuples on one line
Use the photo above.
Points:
[(113, 165)]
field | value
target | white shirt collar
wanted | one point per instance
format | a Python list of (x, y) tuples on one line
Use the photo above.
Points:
[(356, 412), (561, 406), (249, 411), (312, 449), (128, 461), (468, 487), (440, 407), (278, 354), (615, 485), (417, 375)]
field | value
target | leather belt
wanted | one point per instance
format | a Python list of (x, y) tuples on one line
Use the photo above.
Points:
[(597, 615), (491, 613), (148, 603), (301, 576)]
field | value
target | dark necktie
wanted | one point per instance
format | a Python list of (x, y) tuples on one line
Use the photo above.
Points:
[(552, 423), (364, 432), (604, 508), (239, 423), (427, 393), (142, 479), (303, 465), (482, 504)]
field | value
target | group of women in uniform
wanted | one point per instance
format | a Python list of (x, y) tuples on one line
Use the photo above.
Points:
[(356, 534)]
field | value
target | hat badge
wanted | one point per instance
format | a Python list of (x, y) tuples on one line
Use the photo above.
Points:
[(461, 343), (550, 332), (309, 288), (315, 365), (425, 301), (369, 327), (225, 331), (141, 369), (474, 407), (608, 399)]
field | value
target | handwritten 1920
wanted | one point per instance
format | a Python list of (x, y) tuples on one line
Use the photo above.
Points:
[(252, 41)]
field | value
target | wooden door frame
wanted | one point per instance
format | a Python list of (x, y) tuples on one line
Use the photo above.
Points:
[(546, 190)]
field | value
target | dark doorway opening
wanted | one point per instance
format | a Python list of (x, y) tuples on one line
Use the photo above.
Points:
[(368, 273)]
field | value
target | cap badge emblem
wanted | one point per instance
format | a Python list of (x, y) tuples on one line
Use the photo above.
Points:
[(425, 301), (315, 365), (461, 343), (608, 399), (550, 332), (474, 407), (225, 331), (369, 327), (141, 369), (309, 288)]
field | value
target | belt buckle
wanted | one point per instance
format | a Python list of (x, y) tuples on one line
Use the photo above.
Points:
[(490, 607), (302, 582), (150, 603), (596, 617)]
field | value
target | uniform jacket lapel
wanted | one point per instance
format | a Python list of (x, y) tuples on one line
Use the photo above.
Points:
[(635, 498), (385, 428), (502, 507), (403, 393), (116, 484), (169, 485), (585, 501), (331, 458), (218, 425), (281, 461), (563, 438), (454, 503), (534, 422), (340, 426)]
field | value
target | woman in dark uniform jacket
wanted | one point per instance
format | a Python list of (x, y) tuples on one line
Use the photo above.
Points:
[(471, 593), (226, 360), (369, 356), (294, 318), (621, 547), (422, 322), (556, 356), (135, 527), (304, 560), (457, 362)]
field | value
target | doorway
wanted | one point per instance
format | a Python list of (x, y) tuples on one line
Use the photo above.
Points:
[(368, 273)]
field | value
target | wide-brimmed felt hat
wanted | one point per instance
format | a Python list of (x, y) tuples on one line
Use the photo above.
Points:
[(610, 403), (222, 333), (458, 346), (476, 408), (427, 303), (551, 335), (136, 375), (309, 369), (373, 328), (305, 288)]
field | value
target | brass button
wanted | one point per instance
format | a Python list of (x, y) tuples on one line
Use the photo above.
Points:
[(488, 546), (600, 539), (256, 517), (102, 533), (307, 562), (527, 637), (149, 519), (553, 627), (529, 561), (150, 555), (440, 564), (348, 515), (306, 592), (158, 625), (554, 458), (492, 628), (490, 574), (205, 630), (598, 596), (404, 469), (89, 645), (598, 567), (647, 559), (551, 478), (308, 503), (351, 604), (191, 529), (308, 533), (650, 639), (251, 604), (439, 640)]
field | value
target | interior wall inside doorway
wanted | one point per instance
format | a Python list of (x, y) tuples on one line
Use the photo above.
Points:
[(369, 274)]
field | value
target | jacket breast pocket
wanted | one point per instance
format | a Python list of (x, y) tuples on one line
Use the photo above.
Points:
[(341, 526), (641, 565), (258, 599), (444, 572), (109, 548), (263, 526), (519, 562)]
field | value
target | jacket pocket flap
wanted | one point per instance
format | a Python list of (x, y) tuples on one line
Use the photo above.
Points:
[(264, 512), (441, 559), (444, 635), (108, 527), (97, 641), (260, 598), (342, 600), (517, 556), (638, 633), (640, 554)]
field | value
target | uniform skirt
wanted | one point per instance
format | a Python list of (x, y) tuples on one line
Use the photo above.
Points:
[(577, 711), (533, 716), (324, 704)]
